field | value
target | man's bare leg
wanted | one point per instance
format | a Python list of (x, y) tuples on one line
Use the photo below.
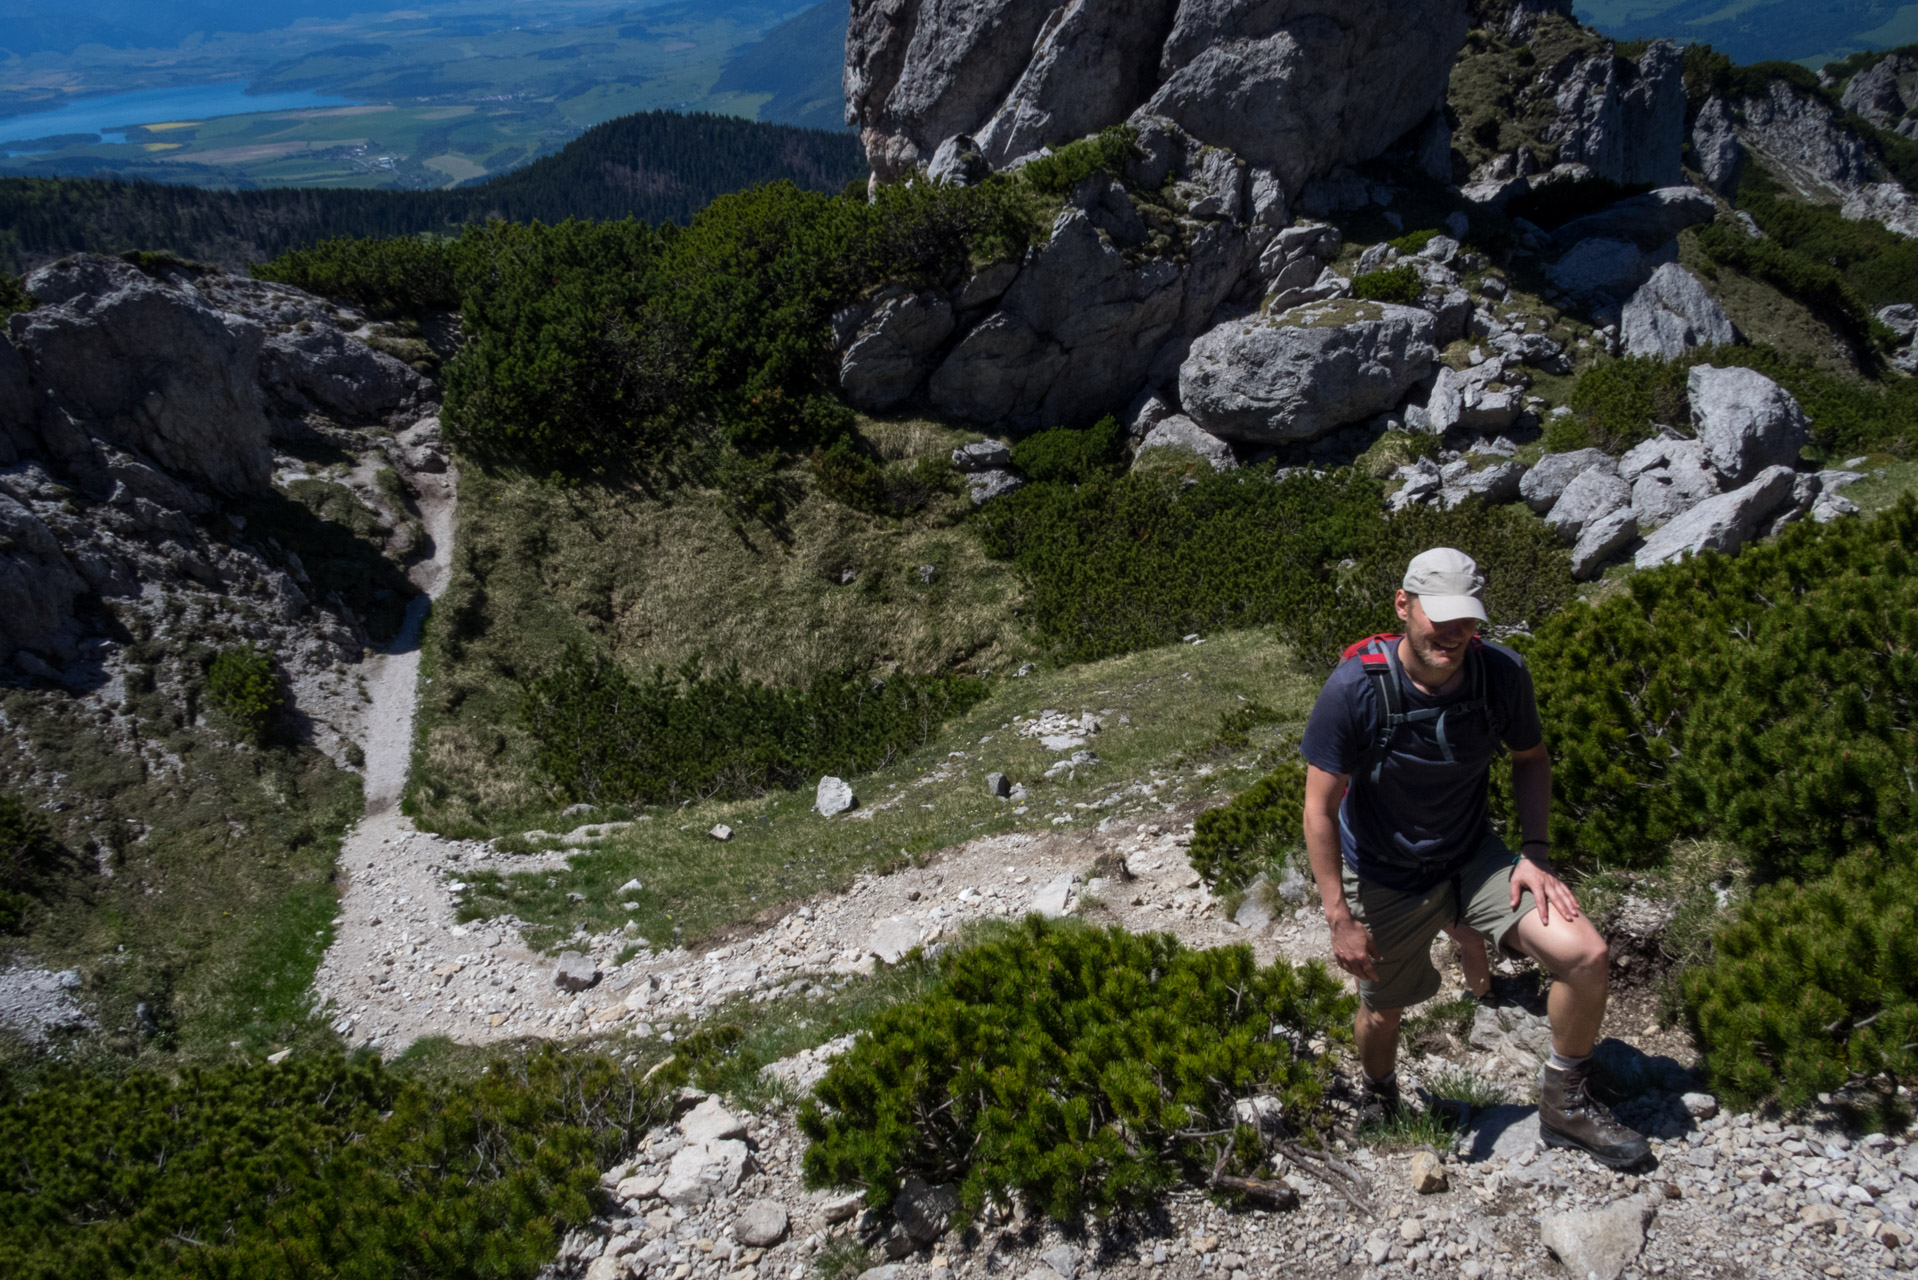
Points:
[(1378, 1036), (1580, 965), (1472, 959)]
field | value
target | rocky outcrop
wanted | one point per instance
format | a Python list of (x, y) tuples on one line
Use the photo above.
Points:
[(1296, 88), (1624, 120), (1803, 143), (136, 409), (1886, 93), (1670, 314), (1300, 375), (1886, 203), (123, 360), (889, 357), (1716, 149)]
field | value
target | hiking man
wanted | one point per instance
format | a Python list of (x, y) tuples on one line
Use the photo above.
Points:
[(1398, 754)]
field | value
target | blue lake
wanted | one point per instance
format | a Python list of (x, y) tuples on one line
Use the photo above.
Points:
[(110, 114)]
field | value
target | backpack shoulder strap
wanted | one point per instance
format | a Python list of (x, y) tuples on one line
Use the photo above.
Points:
[(1378, 658)]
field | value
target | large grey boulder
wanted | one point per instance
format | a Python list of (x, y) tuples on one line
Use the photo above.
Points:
[(1551, 474), (887, 359), (1597, 1244), (1600, 540), (702, 1172), (1648, 221), (1181, 433), (1679, 480), (1624, 120), (151, 368), (1494, 484), (323, 370), (1745, 421), (762, 1224), (575, 971), (1295, 87), (1670, 314), (1297, 376), (1723, 523), (833, 797), (1594, 494), (925, 1210)]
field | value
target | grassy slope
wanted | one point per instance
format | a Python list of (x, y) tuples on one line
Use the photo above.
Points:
[(657, 580), (780, 852)]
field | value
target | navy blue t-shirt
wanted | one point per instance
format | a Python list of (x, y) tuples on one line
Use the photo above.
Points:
[(1423, 818)]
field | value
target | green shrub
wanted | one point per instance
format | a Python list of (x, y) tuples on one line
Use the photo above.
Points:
[(848, 475), (1879, 264), (1813, 986), (28, 855), (1069, 456), (1818, 285), (1078, 1070), (13, 296), (1528, 576), (604, 737), (1393, 284), (1616, 403), (1413, 243), (1108, 151), (1133, 562), (244, 686), (606, 346), (1763, 699), (391, 276), (1256, 831), (318, 1167)]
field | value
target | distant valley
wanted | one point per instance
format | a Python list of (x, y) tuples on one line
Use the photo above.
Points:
[(422, 98)]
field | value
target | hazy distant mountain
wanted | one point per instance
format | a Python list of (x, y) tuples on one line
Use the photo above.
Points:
[(800, 63), (1765, 30)]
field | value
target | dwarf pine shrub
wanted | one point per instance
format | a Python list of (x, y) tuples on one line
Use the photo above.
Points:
[(1254, 831), (1813, 986), (319, 1167), (1765, 699), (28, 853), (244, 686), (604, 737), (1401, 284), (1070, 456), (1108, 152), (1076, 1069)]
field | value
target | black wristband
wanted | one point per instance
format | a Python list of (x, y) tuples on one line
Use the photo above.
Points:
[(1526, 844)]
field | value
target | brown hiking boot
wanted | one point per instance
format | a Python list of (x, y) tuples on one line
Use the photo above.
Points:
[(1569, 1116)]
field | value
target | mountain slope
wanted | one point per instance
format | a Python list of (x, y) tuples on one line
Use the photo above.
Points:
[(801, 63), (657, 166)]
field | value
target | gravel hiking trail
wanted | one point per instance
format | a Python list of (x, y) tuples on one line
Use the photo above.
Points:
[(402, 966)]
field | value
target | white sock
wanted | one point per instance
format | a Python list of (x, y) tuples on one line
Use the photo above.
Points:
[(1563, 1063)]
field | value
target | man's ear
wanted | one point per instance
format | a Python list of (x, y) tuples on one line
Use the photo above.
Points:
[(1403, 603)]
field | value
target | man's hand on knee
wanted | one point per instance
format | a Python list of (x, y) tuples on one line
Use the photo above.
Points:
[(1352, 946), (1547, 890)]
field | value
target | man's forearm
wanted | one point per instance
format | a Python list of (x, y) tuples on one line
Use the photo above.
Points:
[(1532, 787), (1322, 850)]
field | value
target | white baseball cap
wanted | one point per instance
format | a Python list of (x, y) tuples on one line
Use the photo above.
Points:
[(1448, 585)]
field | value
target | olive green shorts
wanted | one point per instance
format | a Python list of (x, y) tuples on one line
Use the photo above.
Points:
[(1403, 924)]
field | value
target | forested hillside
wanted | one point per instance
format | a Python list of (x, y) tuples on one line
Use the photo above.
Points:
[(659, 166)]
